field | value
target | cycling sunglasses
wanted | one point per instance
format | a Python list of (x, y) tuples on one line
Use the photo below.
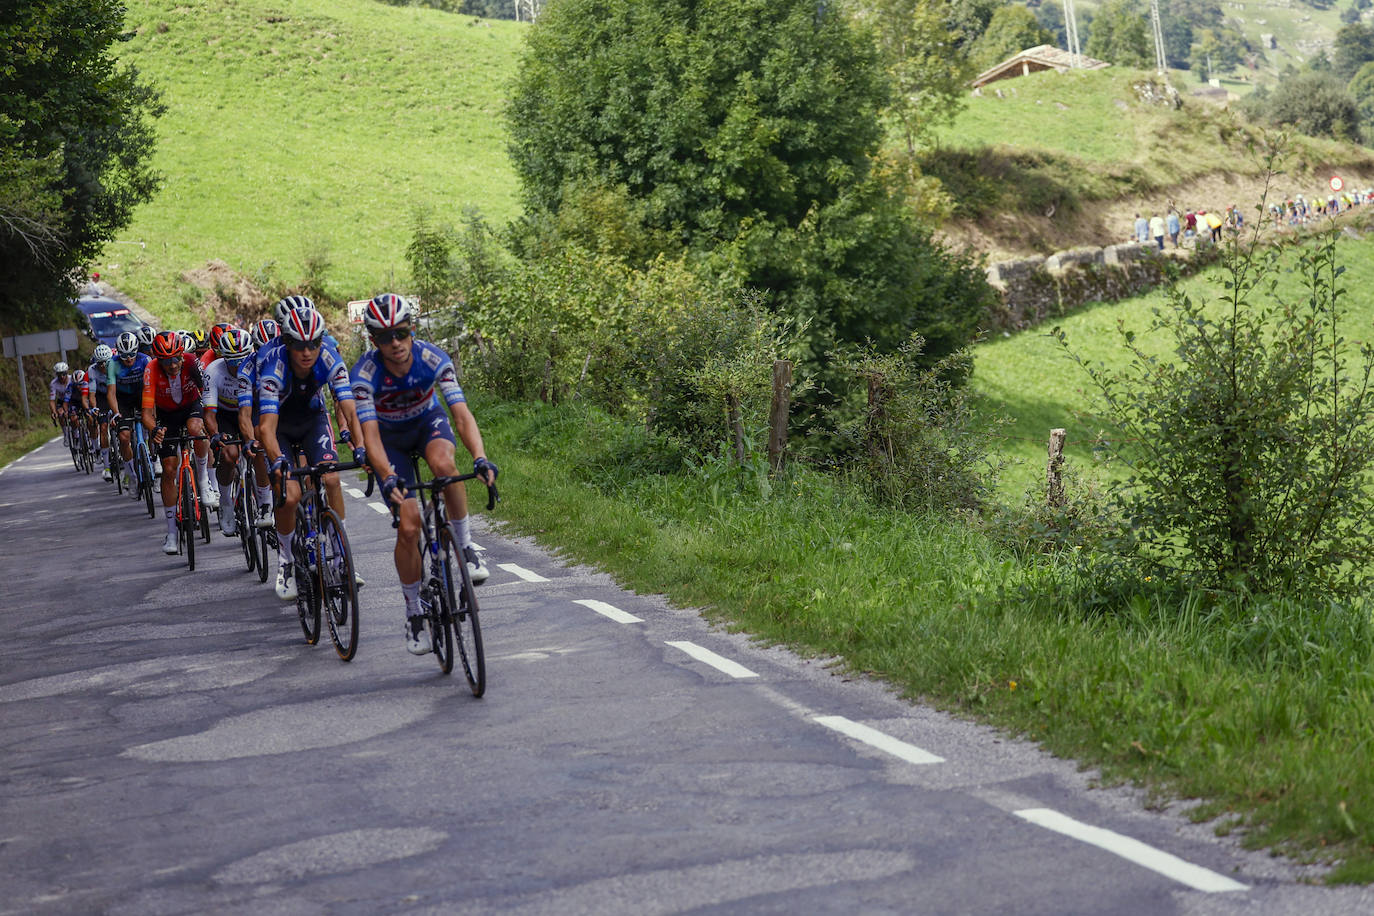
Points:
[(382, 337), (304, 346)]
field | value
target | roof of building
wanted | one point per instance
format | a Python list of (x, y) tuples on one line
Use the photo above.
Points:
[(1041, 57)]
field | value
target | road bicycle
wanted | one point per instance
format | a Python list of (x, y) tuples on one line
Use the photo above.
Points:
[(190, 513), (447, 598), (240, 498), (322, 561), (144, 471), (116, 458), (80, 443)]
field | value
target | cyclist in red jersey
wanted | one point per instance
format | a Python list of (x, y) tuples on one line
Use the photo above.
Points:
[(172, 389)]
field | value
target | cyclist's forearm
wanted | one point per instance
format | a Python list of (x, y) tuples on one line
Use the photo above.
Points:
[(376, 452), (465, 426), (267, 425), (149, 419)]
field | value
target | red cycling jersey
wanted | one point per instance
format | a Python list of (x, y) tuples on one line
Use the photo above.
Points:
[(175, 392)]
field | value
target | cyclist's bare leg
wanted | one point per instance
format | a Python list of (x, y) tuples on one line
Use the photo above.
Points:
[(439, 456), (408, 566), (126, 448), (169, 482), (334, 490), (228, 461)]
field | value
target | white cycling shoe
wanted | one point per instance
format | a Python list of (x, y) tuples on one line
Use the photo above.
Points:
[(286, 584), (417, 636), (211, 500), (477, 567), (170, 546)]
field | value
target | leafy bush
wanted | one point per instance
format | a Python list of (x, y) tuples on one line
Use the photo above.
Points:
[(918, 444), (1250, 449)]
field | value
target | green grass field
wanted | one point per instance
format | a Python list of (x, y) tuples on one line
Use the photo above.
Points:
[(1029, 379), (309, 128)]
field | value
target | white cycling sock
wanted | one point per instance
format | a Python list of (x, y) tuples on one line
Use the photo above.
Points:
[(264, 495), (285, 555), (171, 519), (462, 531), (202, 472), (411, 592)]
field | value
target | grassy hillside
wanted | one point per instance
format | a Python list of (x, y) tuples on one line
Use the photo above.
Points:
[(311, 129), (1028, 378), (1032, 168)]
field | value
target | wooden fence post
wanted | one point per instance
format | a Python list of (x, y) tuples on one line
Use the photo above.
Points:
[(736, 425), (778, 413), (1054, 480)]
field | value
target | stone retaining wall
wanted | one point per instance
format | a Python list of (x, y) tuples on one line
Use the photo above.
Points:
[(1036, 288)]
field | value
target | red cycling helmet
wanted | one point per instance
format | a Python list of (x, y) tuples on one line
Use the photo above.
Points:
[(168, 344)]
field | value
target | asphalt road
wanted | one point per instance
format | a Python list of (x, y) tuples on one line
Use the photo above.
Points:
[(171, 745)]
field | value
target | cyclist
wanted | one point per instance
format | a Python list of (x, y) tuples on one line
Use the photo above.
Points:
[(71, 399), (57, 392), (264, 332), (291, 376), (216, 331), (146, 333), (222, 394), (398, 386), (200, 347), (172, 386), (94, 397), (124, 393)]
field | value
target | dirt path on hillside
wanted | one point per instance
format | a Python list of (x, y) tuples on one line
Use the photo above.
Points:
[(1107, 222)]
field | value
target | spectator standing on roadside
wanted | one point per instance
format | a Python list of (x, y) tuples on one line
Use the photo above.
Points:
[(1142, 228), (1157, 230), (1190, 225), (1173, 225)]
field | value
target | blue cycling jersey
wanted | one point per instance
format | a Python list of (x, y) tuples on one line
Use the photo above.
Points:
[(395, 400), (98, 380), (280, 391), (128, 380)]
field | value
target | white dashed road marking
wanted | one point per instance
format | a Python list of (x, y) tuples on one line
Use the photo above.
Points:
[(609, 610), (883, 742), (1171, 866), (720, 663), (379, 508), (355, 492), (522, 572)]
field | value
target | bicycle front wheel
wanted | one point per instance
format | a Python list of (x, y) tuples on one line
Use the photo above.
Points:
[(186, 522), (243, 524), (338, 587), (307, 596), (467, 628)]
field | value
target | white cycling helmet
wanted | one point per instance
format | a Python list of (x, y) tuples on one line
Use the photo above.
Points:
[(288, 304), (79, 376), (386, 311), (146, 335), (304, 325), (102, 354), (127, 344), (61, 369)]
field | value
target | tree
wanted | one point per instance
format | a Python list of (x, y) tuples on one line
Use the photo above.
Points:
[(1050, 15), (749, 131), (1354, 48), (77, 136), (1013, 29), (1120, 36), (1216, 51), (929, 80), (1361, 89), (1318, 105), (968, 19)]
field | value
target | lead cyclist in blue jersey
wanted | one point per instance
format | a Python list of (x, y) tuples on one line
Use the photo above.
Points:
[(124, 389), (398, 387), (291, 413)]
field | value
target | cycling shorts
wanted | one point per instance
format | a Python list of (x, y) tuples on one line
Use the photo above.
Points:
[(130, 405), (175, 421), (401, 442), (309, 434)]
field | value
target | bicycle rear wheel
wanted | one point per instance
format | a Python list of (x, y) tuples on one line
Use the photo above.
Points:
[(307, 596), (187, 518), (248, 540), (144, 467), (338, 588), (467, 627), (116, 466)]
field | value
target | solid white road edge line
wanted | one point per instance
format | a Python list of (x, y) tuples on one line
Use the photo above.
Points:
[(1171, 866), (608, 610), (720, 663), (522, 572), (883, 742)]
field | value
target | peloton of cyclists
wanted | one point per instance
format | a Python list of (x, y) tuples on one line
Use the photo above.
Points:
[(406, 391)]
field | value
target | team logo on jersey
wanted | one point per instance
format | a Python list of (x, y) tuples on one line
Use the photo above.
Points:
[(271, 386), (432, 358), (367, 371)]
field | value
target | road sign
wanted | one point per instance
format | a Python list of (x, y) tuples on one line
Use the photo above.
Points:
[(1336, 183), (355, 310), (42, 342)]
